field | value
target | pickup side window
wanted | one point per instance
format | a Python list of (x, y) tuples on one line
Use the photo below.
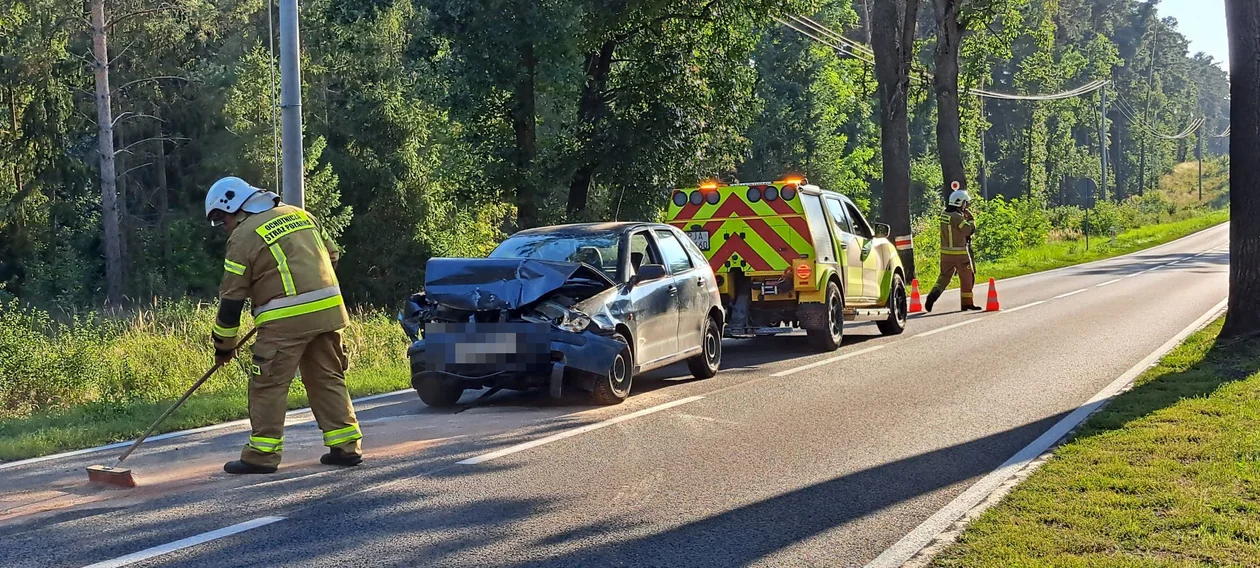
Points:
[(838, 215), (860, 227)]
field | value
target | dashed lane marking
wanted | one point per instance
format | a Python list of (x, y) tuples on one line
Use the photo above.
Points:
[(1069, 294), (185, 543), (826, 361), (576, 431)]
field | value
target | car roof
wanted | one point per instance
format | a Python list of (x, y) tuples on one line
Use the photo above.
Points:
[(590, 228)]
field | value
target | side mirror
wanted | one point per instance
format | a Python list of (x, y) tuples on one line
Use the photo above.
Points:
[(882, 230), (649, 272)]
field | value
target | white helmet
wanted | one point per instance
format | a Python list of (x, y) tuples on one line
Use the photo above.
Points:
[(958, 198), (233, 194)]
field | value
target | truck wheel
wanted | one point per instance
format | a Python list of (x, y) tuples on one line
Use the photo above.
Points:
[(436, 391), (614, 386), (705, 365), (828, 338), (897, 309)]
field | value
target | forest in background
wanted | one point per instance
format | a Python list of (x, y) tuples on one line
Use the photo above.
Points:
[(433, 127)]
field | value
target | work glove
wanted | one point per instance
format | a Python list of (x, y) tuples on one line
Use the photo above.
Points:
[(224, 356)]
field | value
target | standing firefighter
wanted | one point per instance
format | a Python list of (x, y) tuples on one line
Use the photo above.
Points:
[(957, 227), (281, 259)]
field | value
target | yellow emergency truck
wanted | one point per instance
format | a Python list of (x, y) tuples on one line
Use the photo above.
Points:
[(789, 255)]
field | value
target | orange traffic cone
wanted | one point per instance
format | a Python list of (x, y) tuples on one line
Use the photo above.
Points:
[(993, 301), (915, 305)]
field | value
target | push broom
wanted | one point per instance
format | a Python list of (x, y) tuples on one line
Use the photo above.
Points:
[(121, 476)]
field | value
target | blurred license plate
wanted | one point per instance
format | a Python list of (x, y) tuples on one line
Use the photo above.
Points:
[(701, 238), (488, 346)]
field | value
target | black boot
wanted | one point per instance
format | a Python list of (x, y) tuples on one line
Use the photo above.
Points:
[(239, 467), (971, 308), (336, 456), (931, 300)]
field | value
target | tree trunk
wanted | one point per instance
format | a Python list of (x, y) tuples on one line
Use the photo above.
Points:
[(105, 141), (591, 109), (164, 216), (892, 31), (945, 81), (17, 174), (524, 124), (1243, 318), (1117, 165)]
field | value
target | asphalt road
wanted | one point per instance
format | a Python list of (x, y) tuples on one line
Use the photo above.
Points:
[(786, 458)]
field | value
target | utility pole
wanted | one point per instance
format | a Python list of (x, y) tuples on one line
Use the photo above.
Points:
[(291, 104), (1102, 139), (984, 156), (1198, 150), (1150, 86)]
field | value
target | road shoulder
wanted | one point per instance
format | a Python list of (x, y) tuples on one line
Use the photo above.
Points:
[(1167, 472)]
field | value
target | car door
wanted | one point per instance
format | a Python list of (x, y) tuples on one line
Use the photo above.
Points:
[(872, 265), (654, 305), (851, 248), (690, 282)]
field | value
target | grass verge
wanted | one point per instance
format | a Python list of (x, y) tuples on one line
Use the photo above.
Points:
[(1058, 254), (71, 386), (1168, 474)]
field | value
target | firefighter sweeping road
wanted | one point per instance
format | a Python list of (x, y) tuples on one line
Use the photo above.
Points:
[(787, 458)]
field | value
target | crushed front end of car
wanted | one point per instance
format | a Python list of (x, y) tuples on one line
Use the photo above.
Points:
[(507, 324)]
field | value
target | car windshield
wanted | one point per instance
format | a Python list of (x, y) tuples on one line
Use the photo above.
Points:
[(598, 250)]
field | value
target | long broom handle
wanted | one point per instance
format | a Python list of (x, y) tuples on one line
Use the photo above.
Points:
[(181, 400)]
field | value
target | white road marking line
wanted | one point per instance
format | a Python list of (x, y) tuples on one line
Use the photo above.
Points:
[(1102, 260), (179, 434), (948, 327), (576, 431), (1025, 306), (1069, 294), (185, 543), (826, 361), (925, 533), (1107, 283)]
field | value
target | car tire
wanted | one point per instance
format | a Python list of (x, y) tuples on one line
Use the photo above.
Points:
[(705, 365), (614, 386), (829, 337), (436, 391), (897, 308)]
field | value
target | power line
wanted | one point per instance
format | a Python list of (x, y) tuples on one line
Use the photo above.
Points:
[(866, 55)]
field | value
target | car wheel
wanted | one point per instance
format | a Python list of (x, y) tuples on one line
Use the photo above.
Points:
[(614, 386), (828, 337), (705, 365), (436, 391), (897, 309)]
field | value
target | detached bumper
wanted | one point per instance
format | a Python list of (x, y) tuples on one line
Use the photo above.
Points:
[(531, 362)]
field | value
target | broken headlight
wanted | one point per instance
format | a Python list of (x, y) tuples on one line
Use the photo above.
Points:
[(574, 321)]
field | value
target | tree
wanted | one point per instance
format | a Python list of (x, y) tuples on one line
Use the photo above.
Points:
[(105, 142), (892, 37), (945, 83), (1243, 319)]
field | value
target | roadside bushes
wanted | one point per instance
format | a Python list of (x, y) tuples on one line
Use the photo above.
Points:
[(48, 366)]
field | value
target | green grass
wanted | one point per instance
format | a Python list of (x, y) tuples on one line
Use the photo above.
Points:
[(69, 386), (1168, 474), (1057, 254)]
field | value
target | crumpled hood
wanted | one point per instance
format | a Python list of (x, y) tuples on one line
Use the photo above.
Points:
[(476, 284)]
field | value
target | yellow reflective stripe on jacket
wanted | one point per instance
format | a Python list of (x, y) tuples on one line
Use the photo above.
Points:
[(233, 267), (282, 264), (286, 224), (298, 310), (265, 445), (225, 332), (342, 435), (953, 251)]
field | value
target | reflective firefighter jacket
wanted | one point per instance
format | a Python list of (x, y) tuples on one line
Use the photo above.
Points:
[(282, 261), (956, 228)]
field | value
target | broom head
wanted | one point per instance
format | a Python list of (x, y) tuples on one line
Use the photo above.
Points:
[(116, 476)]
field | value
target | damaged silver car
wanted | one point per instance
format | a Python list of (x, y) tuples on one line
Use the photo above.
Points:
[(585, 306)]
